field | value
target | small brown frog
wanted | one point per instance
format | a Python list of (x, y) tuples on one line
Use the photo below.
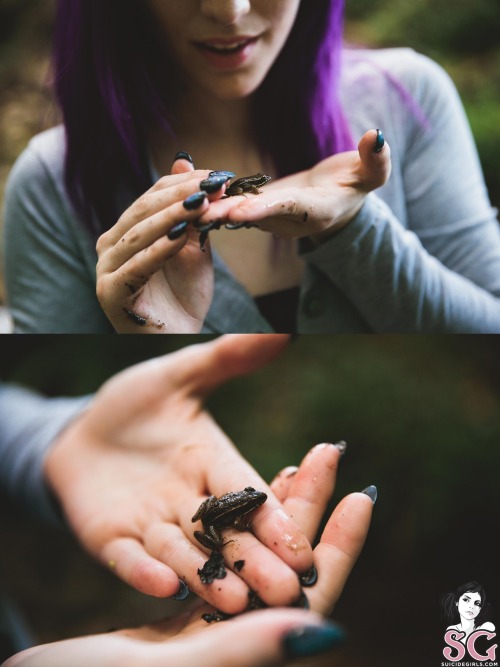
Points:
[(247, 184), (231, 509)]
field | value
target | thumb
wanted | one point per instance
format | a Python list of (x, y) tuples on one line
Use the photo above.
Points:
[(256, 639), (208, 365), (375, 155)]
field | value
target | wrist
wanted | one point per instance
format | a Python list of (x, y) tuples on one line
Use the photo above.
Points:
[(336, 225)]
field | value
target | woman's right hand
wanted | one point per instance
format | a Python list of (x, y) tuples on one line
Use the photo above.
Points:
[(151, 275)]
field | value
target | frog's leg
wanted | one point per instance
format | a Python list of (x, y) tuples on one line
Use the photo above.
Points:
[(211, 538), (205, 507)]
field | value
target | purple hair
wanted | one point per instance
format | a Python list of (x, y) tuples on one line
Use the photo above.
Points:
[(113, 81)]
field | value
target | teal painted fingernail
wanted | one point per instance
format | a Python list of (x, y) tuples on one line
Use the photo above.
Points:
[(379, 142), (182, 155), (341, 445), (214, 183), (371, 492), (228, 174), (182, 593), (194, 201), (177, 231), (310, 577), (312, 640)]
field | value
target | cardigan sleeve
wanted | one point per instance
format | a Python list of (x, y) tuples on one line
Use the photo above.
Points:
[(439, 269), (29, 424)]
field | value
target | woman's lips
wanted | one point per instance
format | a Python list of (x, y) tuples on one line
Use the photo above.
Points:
[(227, 54)]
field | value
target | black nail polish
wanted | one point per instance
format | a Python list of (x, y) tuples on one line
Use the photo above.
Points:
[(194, 201), (177, 231), (182, 155), (379, 142), (309, 577), (312, 640), (229, 174), (213, 184), (182, 593), (371, 492)]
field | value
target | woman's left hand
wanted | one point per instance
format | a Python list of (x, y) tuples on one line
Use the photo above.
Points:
[(317, 202)]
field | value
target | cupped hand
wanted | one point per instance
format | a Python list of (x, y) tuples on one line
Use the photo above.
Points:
[(269, 637), (264, 637), (151, 276), (315, 203), (133, 469)]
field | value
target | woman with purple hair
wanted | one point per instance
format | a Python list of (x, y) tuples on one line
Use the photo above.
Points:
[(250, 88)]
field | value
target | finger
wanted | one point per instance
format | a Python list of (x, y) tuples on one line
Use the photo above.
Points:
[(151, 229), (261, 569), (128, 559), (202, 368), (280, 485), (267, 637), (270, 522), (375, 154), (339, 547), (312, 487), (168, 544), (183, 162), (148, 211)]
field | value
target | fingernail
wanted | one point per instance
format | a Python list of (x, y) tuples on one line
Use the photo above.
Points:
[(182, 155), (371, 492), (341, 445), (379, 142), (182, 593), (228, 174), (194, 201), (213, 184), (312, 640), (309, 577), (177, 231)]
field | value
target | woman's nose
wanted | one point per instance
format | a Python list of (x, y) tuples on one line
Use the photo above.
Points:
[(227, 12)]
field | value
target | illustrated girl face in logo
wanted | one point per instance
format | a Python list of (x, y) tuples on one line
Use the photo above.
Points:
[(469, 605)]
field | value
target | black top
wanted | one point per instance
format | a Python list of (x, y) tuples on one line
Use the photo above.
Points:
[(280, 309)]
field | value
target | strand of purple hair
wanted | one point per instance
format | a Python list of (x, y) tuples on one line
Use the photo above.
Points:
[(112, 88)]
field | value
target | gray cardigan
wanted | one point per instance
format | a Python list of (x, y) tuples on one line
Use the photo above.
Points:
[(423, 255), (29, 425)]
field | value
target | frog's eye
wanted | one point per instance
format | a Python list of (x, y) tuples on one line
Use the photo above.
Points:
[(249, 488)]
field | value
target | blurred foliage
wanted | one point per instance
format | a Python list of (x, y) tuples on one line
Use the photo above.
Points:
[(421, 416), (463, 37)]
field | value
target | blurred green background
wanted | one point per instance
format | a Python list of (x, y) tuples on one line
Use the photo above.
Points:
[(421, 416), (460, 34)]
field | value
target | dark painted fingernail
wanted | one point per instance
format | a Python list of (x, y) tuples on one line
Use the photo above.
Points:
[(228, 174), (312, 640), (379, 142), (194, 201), (341, 445), (302, 602), (310, 577), (177, 231), (213, 184), (182, 593), (371, 492), (182, 155)]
